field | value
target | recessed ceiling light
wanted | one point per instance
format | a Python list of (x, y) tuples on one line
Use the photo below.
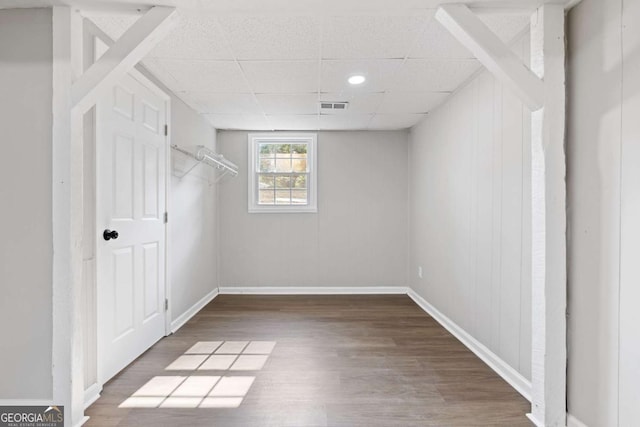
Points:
[(356, 79)]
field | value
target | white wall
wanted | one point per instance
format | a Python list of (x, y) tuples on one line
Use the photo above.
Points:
[(193, 215), (357, 238), (25, 200), (469, 212), (604, 196)]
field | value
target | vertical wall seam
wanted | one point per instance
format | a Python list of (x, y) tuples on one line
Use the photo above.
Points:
[(620, 177), (493, 207), (522, 178), (500, 210), (476, 112), (523, 111)]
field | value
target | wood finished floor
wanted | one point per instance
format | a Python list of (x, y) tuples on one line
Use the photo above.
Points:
[(338, 361)]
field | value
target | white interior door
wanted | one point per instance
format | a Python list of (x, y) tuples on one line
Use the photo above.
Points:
[(131, 150)]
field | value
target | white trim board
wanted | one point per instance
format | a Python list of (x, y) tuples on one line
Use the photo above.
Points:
[(510, 375), (574, 422), (91, 394), (82, 421), (314, 290), (187, 315)]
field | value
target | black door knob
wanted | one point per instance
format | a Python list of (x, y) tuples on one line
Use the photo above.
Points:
[(110, 234)]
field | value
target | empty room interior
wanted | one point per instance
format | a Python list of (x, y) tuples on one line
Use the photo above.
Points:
[(320, 213)]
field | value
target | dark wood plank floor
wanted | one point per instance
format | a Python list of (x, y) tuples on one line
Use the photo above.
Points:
[(338, 361)]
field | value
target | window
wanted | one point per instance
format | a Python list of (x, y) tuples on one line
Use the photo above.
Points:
[(282, 173)]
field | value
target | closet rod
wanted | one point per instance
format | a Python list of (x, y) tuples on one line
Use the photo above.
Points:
[(211, 158)]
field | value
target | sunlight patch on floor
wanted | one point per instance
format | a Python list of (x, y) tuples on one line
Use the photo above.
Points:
[(203, 391)]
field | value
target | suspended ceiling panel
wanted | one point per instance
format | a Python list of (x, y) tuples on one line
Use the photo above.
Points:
[(256, 69)]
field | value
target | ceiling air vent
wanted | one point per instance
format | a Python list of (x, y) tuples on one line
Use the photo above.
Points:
[(333, 106)]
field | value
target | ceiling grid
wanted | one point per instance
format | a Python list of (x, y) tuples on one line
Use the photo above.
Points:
[(263, 71)]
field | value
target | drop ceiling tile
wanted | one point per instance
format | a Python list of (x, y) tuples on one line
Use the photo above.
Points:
[(238, 121), (188, 99), (346, 121), (306, 103), (160, 71), (395, 121), (437, 42), (380, 36), (411, 102), (273, 37), (282, 76), (379, 74), (196, 36), (206, 76), (293, 122), (366, 103), (224, 103), (431, 75)]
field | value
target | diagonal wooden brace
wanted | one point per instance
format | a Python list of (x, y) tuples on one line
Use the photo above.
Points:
[(122, 56), (493, 53)]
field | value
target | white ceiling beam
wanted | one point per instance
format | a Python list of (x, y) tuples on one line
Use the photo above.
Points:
[(122, 56), (493, 53)]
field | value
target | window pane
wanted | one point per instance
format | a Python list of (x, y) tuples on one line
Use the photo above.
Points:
[(267, 165), (283, 165), (283, 181), (299, 165), (265, 197), (265, 181), (267, 148), (299, 197), (283, 148), (299, 181), (298, 149), (283, 197)]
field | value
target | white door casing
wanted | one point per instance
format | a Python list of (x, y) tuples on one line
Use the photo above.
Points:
[(131, 182)]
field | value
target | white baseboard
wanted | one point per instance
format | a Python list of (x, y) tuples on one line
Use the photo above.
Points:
[(510, 375), (82, 421), (571, 421), (184, 317), (574, 422), (535, 421), (313, 290), (91, 394)]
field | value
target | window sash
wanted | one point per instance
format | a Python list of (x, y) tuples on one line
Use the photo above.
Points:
[(291, 188), (283, 195)]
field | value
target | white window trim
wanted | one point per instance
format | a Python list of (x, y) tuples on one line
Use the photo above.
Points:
[(312, 185)]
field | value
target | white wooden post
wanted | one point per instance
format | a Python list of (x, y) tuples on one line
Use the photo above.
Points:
[(549, 268), (67, 218), (542, 89)]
